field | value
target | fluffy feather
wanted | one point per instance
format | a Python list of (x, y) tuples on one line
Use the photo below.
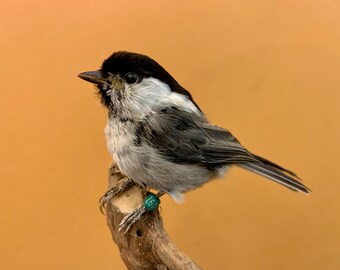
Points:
[(160, 138)]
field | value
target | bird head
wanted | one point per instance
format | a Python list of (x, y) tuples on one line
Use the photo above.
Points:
[(127, 75)]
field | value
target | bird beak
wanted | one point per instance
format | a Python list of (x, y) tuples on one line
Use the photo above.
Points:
[(94, 77)]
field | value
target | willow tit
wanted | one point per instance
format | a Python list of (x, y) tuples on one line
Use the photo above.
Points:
[(158, 135)]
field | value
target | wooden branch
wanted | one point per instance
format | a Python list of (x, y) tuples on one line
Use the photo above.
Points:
[(146, 245)]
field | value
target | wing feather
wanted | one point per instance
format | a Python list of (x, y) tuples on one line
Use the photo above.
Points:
[(183, 137)]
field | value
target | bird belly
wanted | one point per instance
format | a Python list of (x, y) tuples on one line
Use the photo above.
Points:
[(146, 166)]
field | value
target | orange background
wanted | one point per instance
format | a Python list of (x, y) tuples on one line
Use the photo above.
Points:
[(266, 70)]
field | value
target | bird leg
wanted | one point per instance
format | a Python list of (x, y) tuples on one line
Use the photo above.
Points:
[(120, 183), (125, 184), (150, 203)]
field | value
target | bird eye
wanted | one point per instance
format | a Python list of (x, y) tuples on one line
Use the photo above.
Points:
[(131, 77)]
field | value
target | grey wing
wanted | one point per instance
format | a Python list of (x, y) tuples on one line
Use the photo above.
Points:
[(183, 137)]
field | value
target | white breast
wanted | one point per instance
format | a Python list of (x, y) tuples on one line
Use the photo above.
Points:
[(119, 137)]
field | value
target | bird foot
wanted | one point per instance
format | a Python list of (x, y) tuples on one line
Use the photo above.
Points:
[(112, 192), (131, 218), (151, 203)]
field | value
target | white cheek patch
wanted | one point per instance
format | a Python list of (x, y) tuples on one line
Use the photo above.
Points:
[(183, 103), (153, 94)]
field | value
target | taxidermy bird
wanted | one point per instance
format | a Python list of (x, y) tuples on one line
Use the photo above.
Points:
[(158, 135)]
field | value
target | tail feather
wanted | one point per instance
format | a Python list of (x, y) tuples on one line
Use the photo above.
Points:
[(278, 174), (268, 162)]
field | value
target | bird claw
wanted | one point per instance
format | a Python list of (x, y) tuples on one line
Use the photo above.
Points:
[(112, 192), (151, 203), (131, 218)]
